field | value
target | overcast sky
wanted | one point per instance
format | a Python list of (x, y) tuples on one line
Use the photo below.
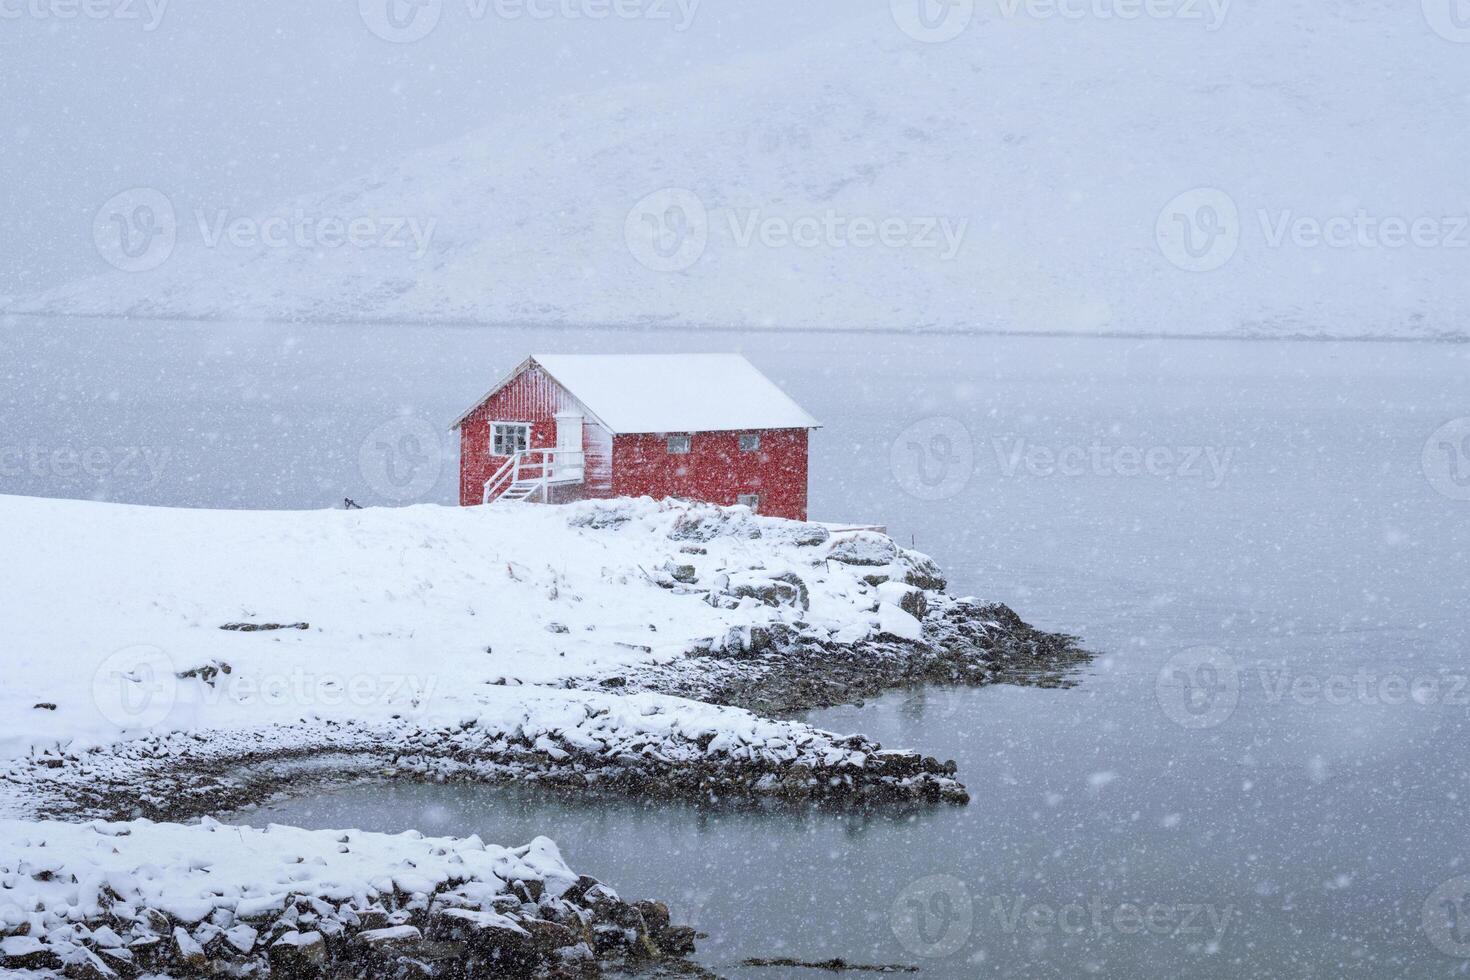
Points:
[(249, 103)]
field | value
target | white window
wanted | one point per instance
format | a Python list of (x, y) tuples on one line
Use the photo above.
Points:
[(750, 442), (751, 500), (509, 438), (678, 445)]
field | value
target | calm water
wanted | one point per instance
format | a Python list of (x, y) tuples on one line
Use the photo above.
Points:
[(1263, 775)]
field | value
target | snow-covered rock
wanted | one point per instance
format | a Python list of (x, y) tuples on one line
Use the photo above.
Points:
[(236, 900)]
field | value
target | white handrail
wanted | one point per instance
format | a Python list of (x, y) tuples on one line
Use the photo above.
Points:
[(542, 460)]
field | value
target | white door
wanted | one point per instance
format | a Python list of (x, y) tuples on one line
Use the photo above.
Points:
[(570, 463)]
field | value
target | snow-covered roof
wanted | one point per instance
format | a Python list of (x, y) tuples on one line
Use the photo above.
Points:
[(631, 393)]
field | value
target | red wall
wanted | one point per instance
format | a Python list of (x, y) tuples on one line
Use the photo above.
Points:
[(715, 470), (532, 397)]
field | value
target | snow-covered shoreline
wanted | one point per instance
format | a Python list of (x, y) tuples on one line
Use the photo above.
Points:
[(201, 661), (103, 900)]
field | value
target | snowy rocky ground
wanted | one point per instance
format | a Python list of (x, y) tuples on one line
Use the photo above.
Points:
[(172, 663)]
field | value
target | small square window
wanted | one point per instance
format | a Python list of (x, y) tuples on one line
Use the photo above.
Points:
[(678, 445), (509, 438), (751, 500), (750, 443)]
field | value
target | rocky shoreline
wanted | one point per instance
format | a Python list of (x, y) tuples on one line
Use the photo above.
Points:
[(310, 904), (782, 670)]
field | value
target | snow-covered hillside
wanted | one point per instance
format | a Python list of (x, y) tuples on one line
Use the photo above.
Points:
[(1033, 167), (142, 620)]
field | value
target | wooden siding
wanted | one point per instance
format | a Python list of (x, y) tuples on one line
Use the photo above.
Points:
[(533, 397)]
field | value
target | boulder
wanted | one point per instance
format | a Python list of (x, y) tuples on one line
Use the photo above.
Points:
[(298, 955), (863, 548), (909, 598), (27, 953), (922, 572)]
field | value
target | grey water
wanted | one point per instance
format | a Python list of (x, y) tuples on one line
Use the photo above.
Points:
[(1266, 542)]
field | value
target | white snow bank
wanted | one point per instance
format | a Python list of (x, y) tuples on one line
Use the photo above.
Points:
[(426, 616), (102, 896)]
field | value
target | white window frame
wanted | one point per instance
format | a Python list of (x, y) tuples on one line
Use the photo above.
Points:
[(497, 427), (751, 500), (754, 438), (688, 443)]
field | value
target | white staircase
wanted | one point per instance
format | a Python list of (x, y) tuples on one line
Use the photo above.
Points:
[(523, 490), (532, 472)]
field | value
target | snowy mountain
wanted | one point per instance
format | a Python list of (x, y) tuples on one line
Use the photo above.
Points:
[(1242, 168)]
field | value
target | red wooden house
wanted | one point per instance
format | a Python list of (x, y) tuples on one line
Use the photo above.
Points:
[(704, 427)]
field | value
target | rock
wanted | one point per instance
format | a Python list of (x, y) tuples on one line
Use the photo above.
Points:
[(298, 955), (655, 914), (809, 535), (922, 572), (863, 548), (675, 940), (557, 628), (83, 964), (906, 597), (43, 706), (803, 594), (263, 627), (487, 935), (686, 574), (27, 953), (693, 549), (187, 951), (242, 938), (393, 938), (548, 937)]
